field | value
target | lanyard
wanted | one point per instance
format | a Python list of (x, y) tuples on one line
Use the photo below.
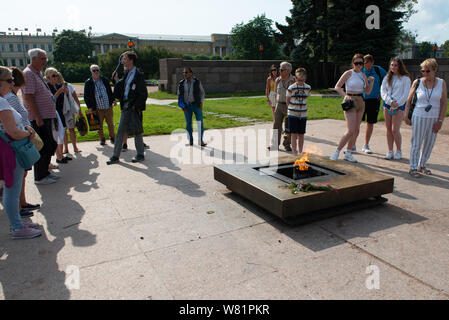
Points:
[(429, 96)]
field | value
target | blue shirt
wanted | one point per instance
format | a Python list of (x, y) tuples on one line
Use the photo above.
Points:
[(375, 93), (128, 80)]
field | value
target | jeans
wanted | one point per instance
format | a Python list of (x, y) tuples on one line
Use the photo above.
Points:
[(194, 109), (122, 128), (11, 198)]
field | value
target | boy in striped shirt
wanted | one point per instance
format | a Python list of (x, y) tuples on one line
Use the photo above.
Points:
[(297, 95)]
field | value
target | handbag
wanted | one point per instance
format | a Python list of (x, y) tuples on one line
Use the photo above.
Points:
[(348, 105), (37, 141), (414, 101), (25, 151), (81, 125), (93, 120)]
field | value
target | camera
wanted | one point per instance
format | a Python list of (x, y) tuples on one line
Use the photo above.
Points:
[(428, 108)]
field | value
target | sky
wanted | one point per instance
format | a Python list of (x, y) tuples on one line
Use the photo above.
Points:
[(195, 17)]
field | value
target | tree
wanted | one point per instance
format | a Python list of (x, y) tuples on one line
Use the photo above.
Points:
[(445, 47), (72, 46), (254, 40), (424, 50)]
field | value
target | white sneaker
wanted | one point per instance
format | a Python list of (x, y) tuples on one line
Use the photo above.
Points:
[(354, 149), (46, 180), (54, 176), (398, 155), (335, 155), (366, 149), (348, 157), (389, 155)]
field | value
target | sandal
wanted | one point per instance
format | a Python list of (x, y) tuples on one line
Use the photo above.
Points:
[(425, 171), (414, 173)]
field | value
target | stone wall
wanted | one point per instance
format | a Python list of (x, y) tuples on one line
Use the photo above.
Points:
[(217, 75)]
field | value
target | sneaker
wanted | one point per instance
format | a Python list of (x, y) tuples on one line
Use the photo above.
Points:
[(54, 176), (31, 207), (353, 149), (112, 160), (335, 155), (30, 224), (398, 155), (26, 233), (103, 142), (389, 155), (46, 180), (138, 158), (26, 213), (348, 157), (125, 147), (366, 149)]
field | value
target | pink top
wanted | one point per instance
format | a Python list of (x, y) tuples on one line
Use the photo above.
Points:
[(7, 163), (35, 85)]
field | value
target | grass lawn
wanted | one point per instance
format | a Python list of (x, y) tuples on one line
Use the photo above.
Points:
[(162, 120)]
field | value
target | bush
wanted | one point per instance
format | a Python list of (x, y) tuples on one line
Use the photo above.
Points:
[(201, 57), (216, 57), (227, 58), (73, 72), (187, 57)]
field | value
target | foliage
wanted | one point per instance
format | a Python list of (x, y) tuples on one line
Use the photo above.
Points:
[(147, 61), (72, 46), (73, 72), (201, 57), (247, 40), (187, 57), (216, 57), (445, 47), (227, 58), (424, 50)]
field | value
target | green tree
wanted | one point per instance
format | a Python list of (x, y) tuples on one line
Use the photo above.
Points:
[(72, 46), (201, 57), (424, 50), (445, 47), (254, 40)]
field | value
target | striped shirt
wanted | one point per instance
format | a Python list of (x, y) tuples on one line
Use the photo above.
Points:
[(43, 98), (101, 95), (15, 103), (298, 95)]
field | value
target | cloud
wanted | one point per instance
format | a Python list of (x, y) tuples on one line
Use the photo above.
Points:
[(431, 22)]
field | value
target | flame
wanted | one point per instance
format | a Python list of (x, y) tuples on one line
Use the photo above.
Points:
[(302, 163), (314, 150)]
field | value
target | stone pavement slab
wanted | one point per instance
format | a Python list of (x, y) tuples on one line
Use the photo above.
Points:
[(166, 230)]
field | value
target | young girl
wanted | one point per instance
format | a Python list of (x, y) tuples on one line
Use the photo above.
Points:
[(297, 95)]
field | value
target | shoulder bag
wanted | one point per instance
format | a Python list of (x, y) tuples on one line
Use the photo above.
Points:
[(25, 151), (414, 100)]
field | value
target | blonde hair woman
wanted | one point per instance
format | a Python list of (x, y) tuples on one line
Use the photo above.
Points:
[(428, 116)]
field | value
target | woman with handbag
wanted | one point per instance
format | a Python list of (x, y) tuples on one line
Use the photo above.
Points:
[(11, 172), (394, 91), (353, 104), (428, 116), (14, 101)]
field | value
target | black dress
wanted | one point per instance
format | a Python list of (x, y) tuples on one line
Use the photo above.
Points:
[(59, 102)]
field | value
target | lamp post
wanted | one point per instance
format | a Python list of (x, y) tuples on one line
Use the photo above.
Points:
[(435, 48), (261, 51)]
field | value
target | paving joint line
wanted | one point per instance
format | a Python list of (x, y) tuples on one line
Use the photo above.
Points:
[(356, 247)]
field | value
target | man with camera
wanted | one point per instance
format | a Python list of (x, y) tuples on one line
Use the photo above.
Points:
[(132, 93)]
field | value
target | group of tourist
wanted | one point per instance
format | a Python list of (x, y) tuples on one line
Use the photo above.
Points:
[(421, 105)]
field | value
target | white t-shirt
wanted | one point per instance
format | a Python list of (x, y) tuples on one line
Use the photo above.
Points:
[(429, 97), (4, 106)]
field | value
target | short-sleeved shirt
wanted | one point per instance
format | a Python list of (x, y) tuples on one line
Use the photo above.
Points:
[(35, 85), (375, 93), (298, 95), (281, 88), (4, 106), (14, 102)]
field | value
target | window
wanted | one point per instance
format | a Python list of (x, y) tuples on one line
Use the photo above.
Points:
[(19, 47), (34, 45), (27, 47), (176, 49), (21, 62), (3, 48), (50, 48), (43, 46), (11, 47), (202, 49), (5, 62), (13, 62)]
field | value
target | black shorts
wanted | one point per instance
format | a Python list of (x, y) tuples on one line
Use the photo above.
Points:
[(372, 107), (297, 125)]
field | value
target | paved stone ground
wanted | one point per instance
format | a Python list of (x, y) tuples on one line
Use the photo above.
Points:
[(158, 230)]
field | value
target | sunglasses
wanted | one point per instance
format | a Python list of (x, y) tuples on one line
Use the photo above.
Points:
[(283, 70), (274, 70), (10, 80), (358, 63), (95, 70), (54, 75), (425, 71)]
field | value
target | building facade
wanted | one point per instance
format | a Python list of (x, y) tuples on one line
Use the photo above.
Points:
[(215, 44), (14, 46)]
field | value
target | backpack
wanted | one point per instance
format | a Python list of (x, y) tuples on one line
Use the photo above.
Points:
[(376, 68)]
